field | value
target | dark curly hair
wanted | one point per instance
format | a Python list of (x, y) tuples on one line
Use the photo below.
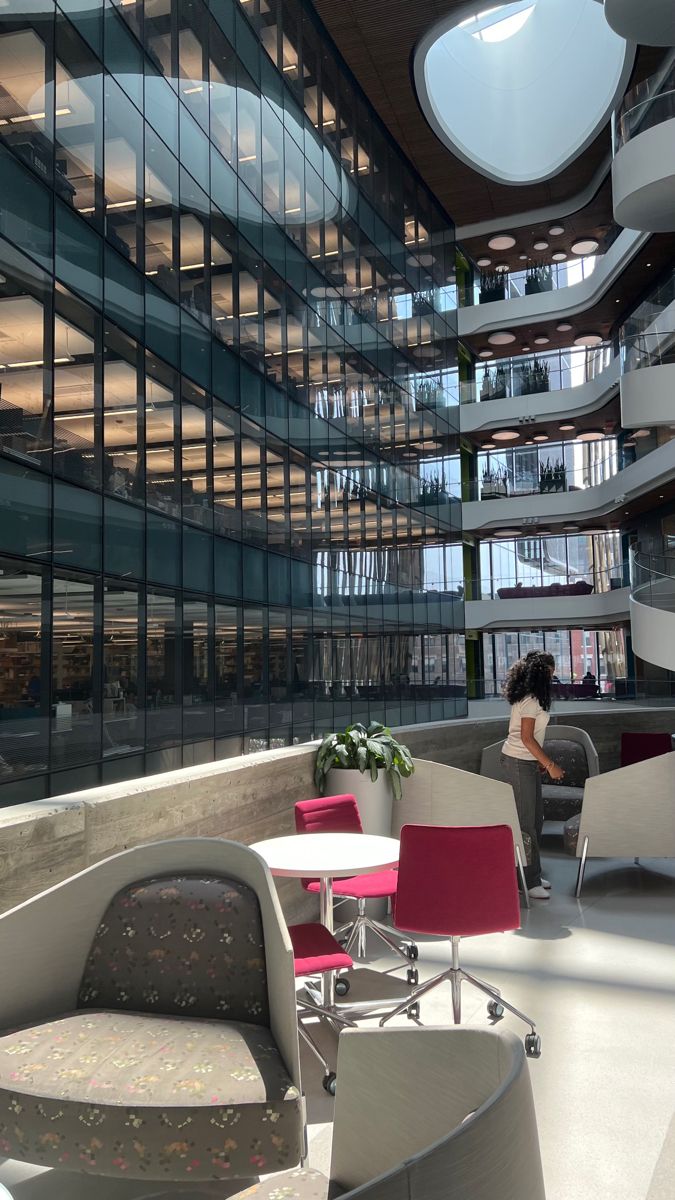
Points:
[(531, 676)]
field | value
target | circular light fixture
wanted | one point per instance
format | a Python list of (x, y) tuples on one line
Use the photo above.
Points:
[(501, 268), (542, 340), (507, 533), (540, 437), (505, 435), (559, 256), (486, 353), (524, 258), (503, 241), (563, 327), (570, 528), (590, 435), (483, 262), (426, 260), (640, 433), (556, 230), (567, 427), (501, 338), (529, 442), (585, 246), (588, 339), (525, 349), (488, 446), (540, 245)]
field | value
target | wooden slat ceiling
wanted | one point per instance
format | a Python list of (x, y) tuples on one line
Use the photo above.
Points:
[(377, 39)]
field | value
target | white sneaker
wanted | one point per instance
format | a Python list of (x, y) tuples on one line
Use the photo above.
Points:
[(545, 883), (539, 893)]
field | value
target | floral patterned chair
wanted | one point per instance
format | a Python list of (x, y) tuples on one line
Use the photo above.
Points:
[(150, 1020)]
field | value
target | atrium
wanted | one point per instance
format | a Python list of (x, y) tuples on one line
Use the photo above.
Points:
[(337, 599)]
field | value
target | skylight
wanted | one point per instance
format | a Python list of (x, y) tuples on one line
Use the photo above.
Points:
[(519, 90)]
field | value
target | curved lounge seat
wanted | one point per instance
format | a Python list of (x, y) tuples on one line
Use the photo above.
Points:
[(150, 1019), (573, 749), (426, 1114)]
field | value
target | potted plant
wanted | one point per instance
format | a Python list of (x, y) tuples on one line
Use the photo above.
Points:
[(492, 286), (499, 391), (538, 278), (368, 763)]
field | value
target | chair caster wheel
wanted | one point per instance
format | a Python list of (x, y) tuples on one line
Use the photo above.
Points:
[(495, 1009), (412, 975), (329, 1083), (411, 951), (413, 1011), (533, 1045), (341, 987)]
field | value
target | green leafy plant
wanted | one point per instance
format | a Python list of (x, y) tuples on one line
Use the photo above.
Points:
[(364, 749)]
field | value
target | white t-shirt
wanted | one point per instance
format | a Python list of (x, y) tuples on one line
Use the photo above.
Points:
[(528, 707)]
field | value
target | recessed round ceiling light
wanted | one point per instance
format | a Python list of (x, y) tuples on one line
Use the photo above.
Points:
[(488, 446), (540, 245), (567, 427), (507, 533), (503, 241), (486, 353), (542, 340), (529, 442), (648, 264), (525, 349), (563, 327), (559, 256), (640, 433), (556, 230), (585, 246), (426, 260), (505, 435), (570, 528), (540, 437), (483, 262), (524, 258), (501, 338), (501, 268), (590, 435), (588, 339)]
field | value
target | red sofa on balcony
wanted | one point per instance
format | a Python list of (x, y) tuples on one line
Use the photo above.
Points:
[(520, 592)]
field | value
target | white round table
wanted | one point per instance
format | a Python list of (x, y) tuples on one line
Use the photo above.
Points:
[(328, 856)]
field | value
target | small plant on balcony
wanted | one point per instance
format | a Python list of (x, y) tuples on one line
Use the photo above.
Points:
[(493, 286), (538, 278)]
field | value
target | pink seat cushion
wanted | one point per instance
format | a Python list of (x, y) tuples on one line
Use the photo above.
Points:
[(315, 949), (362, 887)]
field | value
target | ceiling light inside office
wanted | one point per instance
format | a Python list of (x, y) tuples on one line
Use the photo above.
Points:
[(518, 90)]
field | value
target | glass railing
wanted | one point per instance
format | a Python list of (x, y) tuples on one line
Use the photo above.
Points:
[(650, 691), (548, 585), (648, 104), (534, 374), (654, 349), (511, 285), (652, 578), (525, 471)]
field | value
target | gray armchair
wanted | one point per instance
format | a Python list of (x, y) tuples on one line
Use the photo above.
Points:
[(150, 1019), (426, 1114), (573, 749)]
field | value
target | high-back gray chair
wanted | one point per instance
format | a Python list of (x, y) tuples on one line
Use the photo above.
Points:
[(149, 1019), (574, 751), (426, 1114)]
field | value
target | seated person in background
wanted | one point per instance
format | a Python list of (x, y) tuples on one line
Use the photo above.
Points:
[(589, 677)]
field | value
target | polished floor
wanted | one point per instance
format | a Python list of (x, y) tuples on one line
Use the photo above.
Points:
[(598, 975)]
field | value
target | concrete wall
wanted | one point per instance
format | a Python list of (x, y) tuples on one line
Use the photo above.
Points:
[(247, 799)]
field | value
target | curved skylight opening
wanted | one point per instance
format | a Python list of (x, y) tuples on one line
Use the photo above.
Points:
[(518, 90)]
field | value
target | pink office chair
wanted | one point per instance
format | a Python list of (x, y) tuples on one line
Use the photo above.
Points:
[(315, 951), (458, 883), (340, 814)]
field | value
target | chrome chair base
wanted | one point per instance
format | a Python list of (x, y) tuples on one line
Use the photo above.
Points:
[(357, 930)]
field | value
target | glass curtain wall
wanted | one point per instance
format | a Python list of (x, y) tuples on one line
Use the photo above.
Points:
[(589, 663), (229, 454)]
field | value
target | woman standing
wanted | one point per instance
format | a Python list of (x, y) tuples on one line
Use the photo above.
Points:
[(528, 691)]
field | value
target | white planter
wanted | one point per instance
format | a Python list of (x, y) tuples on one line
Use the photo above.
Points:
[(375, 800)]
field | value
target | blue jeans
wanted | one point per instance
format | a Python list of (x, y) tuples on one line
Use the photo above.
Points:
[(524, 775)]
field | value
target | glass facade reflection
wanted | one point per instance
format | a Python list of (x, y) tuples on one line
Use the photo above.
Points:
[(229, 454)]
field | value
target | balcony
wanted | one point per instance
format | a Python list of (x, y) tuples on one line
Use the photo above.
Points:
[(538, 387), (603, 603), (650, 23), (643, 168), (569, 498), (652, 606), (648, 360), (523, 309)]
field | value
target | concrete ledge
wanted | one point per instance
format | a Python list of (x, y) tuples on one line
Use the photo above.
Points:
[(247, 799)]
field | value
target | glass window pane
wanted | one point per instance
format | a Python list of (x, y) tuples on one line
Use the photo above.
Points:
[(122, 417), (198, 712), (76, 725), (24, 700), (123, 718), (24, 405), (75, 390), (229, 711), (163, 649)]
